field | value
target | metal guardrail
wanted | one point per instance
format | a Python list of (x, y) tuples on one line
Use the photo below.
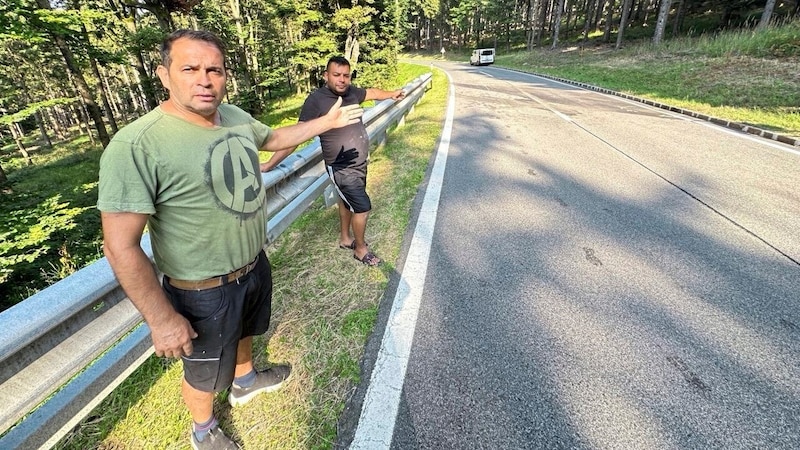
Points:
[(64, 349)]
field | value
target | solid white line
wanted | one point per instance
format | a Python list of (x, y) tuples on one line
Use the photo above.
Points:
[(382, 400)]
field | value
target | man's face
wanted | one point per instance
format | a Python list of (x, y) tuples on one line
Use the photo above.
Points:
[(337, 78), (195, 77)]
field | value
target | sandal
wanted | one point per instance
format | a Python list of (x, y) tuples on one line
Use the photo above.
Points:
[(352, 246), (369, 259)]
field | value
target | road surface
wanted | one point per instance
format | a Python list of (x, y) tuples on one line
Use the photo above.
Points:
[(598, 274)]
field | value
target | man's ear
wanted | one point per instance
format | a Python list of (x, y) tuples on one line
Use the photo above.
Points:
[(163, 75)]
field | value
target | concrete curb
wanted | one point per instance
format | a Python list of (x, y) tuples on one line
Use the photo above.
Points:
[(715, 120)]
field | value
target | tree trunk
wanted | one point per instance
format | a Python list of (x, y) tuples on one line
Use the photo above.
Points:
[(609, 21), (678, 22), (80, 81), (3, 177), (661, 22), (478, 28), (529, 25), (623, 21), (590, 4), (17, 135), (766, 16), (85, 115), (37, 115), (112, 121), (557, 23), (55, 115), (598, 14), (106, 105), (544, 15), (145, 82), (116, 104), (569, 18), (42, 130), (639, 6), (253, 105), (53, 118), (128, 17)]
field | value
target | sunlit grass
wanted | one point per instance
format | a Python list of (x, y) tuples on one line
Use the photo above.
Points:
[(50, 227)]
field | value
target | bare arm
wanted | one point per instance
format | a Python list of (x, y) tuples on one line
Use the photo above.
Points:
[(380, 94), (276, 159), (293, 135), (171, 333)]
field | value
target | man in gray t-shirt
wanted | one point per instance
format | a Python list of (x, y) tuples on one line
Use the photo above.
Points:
[(345, 151)]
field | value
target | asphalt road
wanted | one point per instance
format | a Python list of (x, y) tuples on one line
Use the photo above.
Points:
[(603, 275)]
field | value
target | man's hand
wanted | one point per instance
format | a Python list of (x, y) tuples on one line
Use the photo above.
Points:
[(171, 333), (398, 95), (172, 338), (341, 116)]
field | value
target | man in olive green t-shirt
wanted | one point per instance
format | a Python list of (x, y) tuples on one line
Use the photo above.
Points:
[(189, 172)]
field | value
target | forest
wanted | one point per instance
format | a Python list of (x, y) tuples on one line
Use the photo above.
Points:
[(75, 71)]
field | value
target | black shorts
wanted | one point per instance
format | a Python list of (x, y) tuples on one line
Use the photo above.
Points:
[(222, 316), (351, 185)]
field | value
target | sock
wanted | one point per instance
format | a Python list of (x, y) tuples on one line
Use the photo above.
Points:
[(245, 381), (202, 429)]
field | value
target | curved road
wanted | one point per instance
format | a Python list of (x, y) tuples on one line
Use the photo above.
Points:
[(601, 274)]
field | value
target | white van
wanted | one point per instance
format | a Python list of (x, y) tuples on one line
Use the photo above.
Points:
[(481, 56)]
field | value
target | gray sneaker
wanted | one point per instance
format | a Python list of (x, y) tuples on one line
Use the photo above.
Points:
[(266, 381), (214, 440)]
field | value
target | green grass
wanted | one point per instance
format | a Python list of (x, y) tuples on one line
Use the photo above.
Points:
[(49, 227), (325, 306)]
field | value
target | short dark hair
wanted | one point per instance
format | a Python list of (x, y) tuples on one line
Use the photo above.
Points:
[(196, 35), (338, 60)]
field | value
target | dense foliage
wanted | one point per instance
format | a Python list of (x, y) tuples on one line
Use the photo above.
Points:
[(510, 24)]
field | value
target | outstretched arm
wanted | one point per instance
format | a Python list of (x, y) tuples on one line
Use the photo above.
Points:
[(276, 159), (293, 135), (380, 94)]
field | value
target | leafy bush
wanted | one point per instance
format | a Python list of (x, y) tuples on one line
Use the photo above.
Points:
[(50, 227)]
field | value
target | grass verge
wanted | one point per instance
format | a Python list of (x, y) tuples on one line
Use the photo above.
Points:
[(325, 305)]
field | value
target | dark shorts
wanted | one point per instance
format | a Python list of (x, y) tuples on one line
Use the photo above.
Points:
[(222, 316), (352, 188)]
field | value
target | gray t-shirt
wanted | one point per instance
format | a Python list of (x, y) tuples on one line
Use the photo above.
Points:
[(201, 187), (342, 148)]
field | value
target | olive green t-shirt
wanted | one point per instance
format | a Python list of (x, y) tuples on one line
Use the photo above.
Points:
[(201, 187)]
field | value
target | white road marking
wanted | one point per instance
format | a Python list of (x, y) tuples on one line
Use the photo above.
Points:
[(713, 126), (545, 105), (382, 400)]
